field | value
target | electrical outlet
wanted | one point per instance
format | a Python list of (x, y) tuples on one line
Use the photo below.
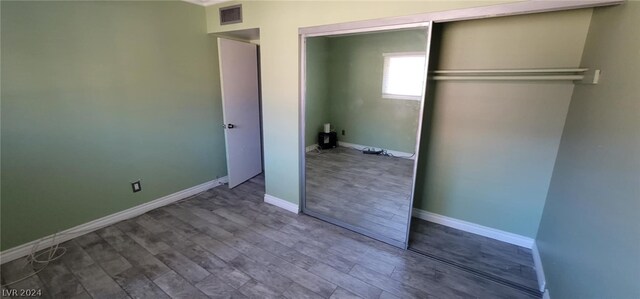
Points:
[(342, 132), (136, 186)]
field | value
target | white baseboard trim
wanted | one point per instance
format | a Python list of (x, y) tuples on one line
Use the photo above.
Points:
[(281, 203), (362, 147), (66, 235), (220, 181), (310, 148), (477, 229), (537, 261)]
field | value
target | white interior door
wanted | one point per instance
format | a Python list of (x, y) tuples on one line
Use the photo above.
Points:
[(241, 110)]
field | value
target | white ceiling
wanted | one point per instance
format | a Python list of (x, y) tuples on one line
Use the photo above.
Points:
[(206, 2)]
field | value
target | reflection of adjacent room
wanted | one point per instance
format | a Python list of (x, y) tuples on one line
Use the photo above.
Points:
[(345, 87), (366, 89)]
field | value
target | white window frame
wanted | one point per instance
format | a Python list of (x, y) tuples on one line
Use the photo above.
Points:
[(386, 57)]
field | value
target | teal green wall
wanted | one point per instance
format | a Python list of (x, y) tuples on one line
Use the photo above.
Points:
[(355, 90), (317, 88), (589, 237), (491, 148), (98, 94)]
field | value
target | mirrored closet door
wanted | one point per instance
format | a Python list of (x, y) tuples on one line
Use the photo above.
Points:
[(363, 101)]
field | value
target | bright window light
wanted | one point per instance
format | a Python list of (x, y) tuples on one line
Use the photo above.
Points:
[(403, 76)]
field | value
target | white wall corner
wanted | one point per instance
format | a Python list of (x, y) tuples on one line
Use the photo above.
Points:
[(66, 235), (537, 262), (473, 228), (281, 203)]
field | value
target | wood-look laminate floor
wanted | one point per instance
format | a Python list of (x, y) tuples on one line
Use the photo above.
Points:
[(372, 192), (229, 244), (499, 259), (368, 191)]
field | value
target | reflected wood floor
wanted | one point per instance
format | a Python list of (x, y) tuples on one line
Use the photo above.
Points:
[(229, 244), (500, 259), (368, 191)]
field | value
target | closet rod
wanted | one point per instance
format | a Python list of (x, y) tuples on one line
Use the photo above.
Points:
[(512, 78), (513, 71)]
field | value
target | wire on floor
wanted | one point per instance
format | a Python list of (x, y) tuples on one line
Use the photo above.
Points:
[(385, 153), (54, 252)]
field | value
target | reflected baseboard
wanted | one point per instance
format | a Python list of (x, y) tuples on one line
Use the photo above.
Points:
[(310, 148), (473, 228), (361, 147)]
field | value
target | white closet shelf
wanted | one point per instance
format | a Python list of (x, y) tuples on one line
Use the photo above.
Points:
[(514, 71), (512, 78), (549, 74)]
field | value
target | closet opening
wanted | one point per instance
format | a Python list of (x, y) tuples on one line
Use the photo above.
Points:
[(488, 132)]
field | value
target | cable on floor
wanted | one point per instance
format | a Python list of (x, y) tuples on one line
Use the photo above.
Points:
[(53, 252), (33, 258)]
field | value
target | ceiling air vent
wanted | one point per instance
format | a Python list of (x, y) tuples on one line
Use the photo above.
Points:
[(231, 14)]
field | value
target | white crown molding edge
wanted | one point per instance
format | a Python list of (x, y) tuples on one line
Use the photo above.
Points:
[(205, 3)]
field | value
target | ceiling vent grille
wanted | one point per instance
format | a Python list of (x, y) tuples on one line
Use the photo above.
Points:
[(231, 14)]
